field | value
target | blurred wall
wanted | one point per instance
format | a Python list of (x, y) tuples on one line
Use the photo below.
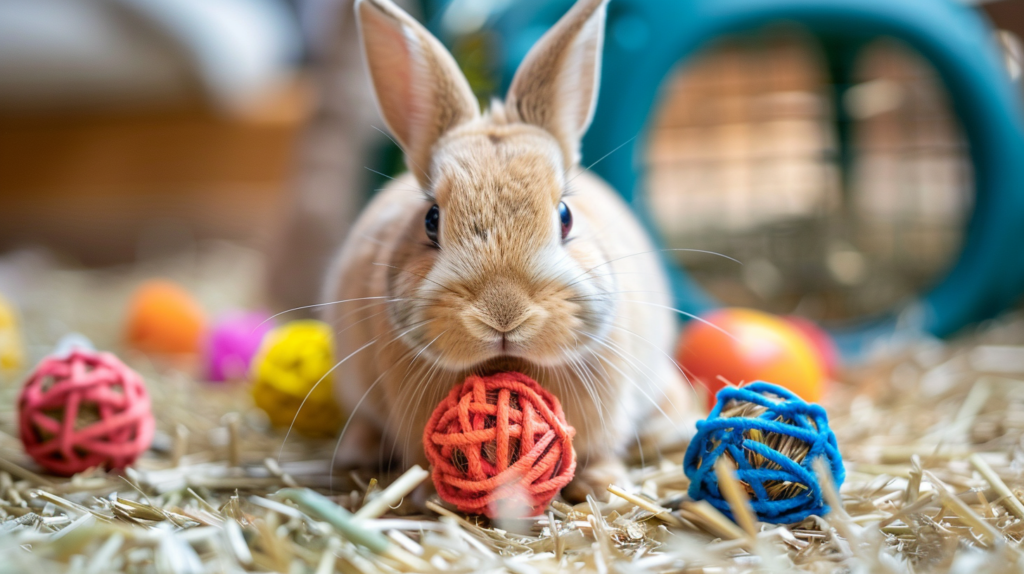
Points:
[(122, 121)]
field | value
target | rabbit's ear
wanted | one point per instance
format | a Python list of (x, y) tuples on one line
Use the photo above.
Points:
[(421, 91), (556, 85)]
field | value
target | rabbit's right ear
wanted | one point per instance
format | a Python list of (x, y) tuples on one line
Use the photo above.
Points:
[(556, 85), (421, 91)]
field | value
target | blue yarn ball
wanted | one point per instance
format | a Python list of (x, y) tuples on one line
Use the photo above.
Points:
[(764, 470)]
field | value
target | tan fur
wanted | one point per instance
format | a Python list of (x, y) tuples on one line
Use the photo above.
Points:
[(585, 317), (421, 92), (556, 85)]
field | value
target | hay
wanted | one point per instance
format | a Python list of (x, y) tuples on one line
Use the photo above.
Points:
[(932, 441)]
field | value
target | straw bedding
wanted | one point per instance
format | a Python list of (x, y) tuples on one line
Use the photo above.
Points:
[(932, 440)]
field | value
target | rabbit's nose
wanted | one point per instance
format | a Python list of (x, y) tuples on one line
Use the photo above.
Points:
[(503, 324), (503, 307)]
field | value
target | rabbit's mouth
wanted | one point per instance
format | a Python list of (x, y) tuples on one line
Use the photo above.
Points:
[(505, 363)]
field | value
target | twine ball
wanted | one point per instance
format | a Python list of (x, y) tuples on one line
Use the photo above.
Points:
[(84, 409), (163, 318), (294, 364), (746, 345), (12, 346), (232, 344), (500, 446), (773, 438)]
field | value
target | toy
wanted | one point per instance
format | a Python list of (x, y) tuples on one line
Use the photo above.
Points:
[(744, 345), (12, 348), (292, 366), (232, 344), (820, 340), (773, 438), (84, 409), (500, 446), (163, 318)]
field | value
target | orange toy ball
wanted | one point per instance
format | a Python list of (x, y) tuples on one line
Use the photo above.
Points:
[(163, 318), (820, 340), (744, 345)]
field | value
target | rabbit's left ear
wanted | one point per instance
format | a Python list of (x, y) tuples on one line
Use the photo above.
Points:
[(556, 85), (421, 92)]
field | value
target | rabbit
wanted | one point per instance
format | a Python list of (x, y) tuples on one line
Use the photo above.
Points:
[(497, 251)]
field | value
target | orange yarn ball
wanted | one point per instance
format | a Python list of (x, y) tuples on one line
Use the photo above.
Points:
[(163, 318), (744, 345), (500, 446)]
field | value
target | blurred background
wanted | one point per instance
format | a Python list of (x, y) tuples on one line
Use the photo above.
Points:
[(744, 160), (228, 144)]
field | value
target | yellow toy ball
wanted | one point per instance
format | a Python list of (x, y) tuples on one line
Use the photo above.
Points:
[(292, 359), (12, 348)]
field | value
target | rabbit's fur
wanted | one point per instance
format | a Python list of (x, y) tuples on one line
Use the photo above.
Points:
[(587, 316)]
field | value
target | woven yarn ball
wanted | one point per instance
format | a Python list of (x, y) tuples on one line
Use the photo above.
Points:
[(293, 365), (773, 437), (232, 344), (12, 347), (500, 446), (163, 318), (82, 410)]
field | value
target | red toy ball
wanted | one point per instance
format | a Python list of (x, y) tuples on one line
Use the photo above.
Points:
[(744, 345), (500, 446), (821, 341), (82, 410)]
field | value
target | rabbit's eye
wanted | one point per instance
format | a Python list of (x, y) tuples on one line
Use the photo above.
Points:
[(432, 222), (566, 217)]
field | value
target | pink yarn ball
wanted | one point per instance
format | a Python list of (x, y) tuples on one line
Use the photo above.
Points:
[(233, 343), (82, 410)]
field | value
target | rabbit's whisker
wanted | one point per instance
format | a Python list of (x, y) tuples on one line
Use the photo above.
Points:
[(679, 412), (338, 321), (352, 414), (420, 392), (659, 350), (685, 314), (310, 392), (601, 383), (602, 158), (628, 379), (608, 295), (327, 374), (636, 432), (407, 155), (573, 281), (402, 387), (423, 277), (315, 305), (593, 398)]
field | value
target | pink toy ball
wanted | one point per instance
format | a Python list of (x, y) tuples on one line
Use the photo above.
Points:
[(233, 343), (80, 409)]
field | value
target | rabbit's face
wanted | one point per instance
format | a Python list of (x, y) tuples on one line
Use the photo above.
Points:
[(501, 280), (486, 271)]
